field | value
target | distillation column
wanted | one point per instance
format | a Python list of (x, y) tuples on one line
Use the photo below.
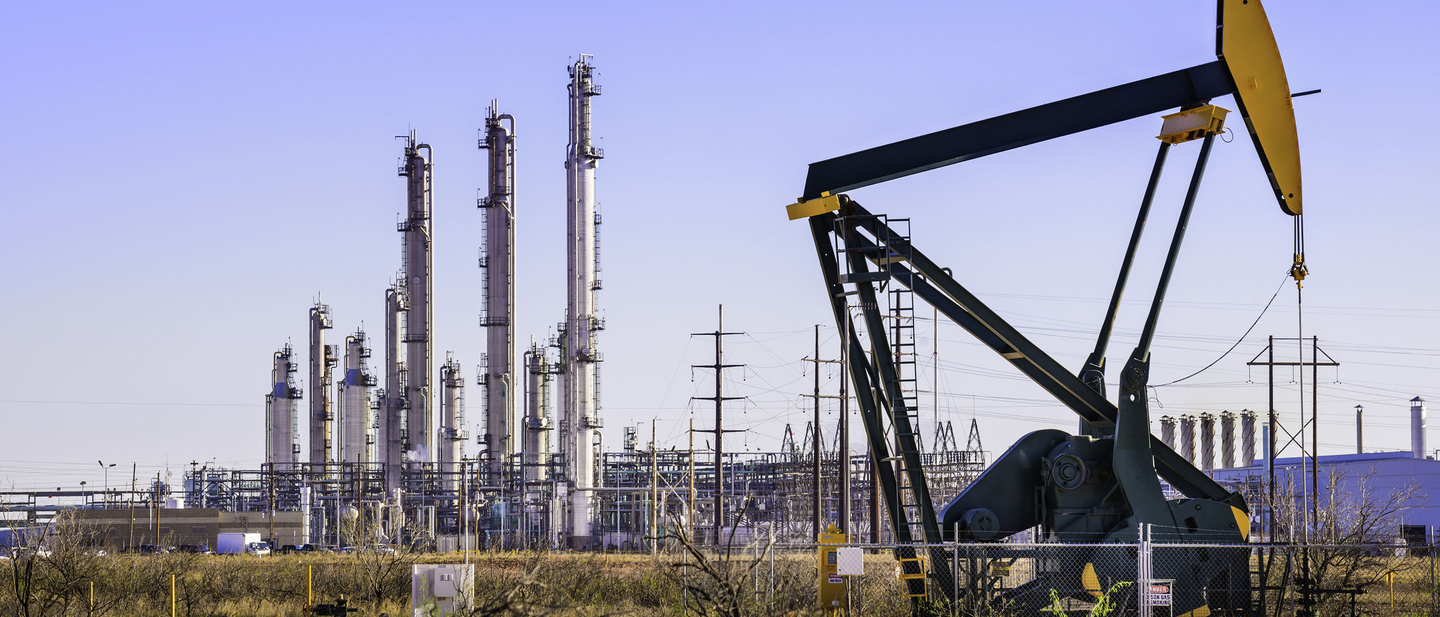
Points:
[(282, 439), (580, 354), (357, 439), (451, 435), (536, 439), (540, 506), (392, 402), (497, 262), (322, 360), (417, 271)]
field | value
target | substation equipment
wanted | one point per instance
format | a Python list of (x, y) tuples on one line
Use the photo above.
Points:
[(1104, 483)]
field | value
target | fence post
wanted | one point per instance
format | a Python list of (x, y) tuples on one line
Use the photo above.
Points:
[(955, 575), (1431, 538), (770, 593), (92, 598), (1142, 570), (172, 595)]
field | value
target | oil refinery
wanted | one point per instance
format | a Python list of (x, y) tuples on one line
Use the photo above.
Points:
[(431, 434)]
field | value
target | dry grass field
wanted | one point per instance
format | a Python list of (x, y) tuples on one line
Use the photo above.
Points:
[(62, 583)]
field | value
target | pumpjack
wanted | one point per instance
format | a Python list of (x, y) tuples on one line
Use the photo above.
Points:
[(1102, 485)]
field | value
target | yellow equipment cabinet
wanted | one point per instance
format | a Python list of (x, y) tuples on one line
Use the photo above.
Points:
[(829, 584)]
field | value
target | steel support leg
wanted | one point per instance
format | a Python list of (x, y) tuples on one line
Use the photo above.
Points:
[(1134, 459), (1093, 373)]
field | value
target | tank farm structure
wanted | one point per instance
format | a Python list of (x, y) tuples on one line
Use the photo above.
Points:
[(387, 448)]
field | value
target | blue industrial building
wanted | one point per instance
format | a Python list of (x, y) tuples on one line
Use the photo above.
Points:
[(1377, 475)]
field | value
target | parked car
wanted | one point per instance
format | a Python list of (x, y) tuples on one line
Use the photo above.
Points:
[(258, 549), (290, 548), (195, 549), (378, 549)]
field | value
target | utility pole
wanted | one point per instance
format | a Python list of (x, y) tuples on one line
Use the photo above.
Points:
[(844, 436), (155, 507), (1312, 452), (271, 474), (815, 441), (690, 496), (465, 508), (719, 399), (133, 480), (654, 492)]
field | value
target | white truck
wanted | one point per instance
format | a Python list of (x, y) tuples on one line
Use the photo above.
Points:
[(241, 544)]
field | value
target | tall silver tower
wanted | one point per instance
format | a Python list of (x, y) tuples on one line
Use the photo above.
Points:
[(451, 436), (497, 262), (392, 402), (544, 509), (417, 270), (579, 373), (536, 439), (282, 439), (356, 436), (322, 360)]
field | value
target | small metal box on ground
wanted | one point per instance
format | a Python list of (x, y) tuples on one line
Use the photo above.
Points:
[(441, 589)]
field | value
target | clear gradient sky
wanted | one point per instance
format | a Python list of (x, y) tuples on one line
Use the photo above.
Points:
[(180, 181)]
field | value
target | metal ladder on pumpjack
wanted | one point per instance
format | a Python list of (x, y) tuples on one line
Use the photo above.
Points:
[(903, 349), (901, 337), (903, 354)]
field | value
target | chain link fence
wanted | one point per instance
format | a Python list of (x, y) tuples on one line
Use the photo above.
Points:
[(1176, 579)]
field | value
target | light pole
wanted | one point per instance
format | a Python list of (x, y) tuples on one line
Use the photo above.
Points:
[(106, 469)]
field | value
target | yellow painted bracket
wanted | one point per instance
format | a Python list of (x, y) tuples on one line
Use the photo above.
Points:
[(1192, 124), (1247, 46), (820, 205)]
